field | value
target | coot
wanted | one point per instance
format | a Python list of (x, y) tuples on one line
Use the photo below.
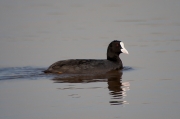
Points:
[(71, 66)]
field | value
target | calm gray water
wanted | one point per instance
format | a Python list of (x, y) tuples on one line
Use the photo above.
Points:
[(35, 34)]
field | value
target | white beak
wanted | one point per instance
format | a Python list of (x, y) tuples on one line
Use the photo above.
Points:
[(123, 50)]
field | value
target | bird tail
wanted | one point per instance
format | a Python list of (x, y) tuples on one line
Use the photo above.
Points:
[(47, 71)]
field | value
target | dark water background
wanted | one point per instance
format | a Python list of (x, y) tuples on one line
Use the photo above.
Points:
[(35, 34)]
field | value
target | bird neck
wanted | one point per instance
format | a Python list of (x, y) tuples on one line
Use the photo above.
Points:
[(114, 58)]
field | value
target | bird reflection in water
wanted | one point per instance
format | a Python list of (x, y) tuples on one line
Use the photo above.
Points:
[(117, 89)]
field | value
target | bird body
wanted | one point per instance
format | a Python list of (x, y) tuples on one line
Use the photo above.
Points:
[(83, 66), (113, 62)]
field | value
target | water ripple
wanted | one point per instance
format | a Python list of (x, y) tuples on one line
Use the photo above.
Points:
[(117, 88), (20, 73)]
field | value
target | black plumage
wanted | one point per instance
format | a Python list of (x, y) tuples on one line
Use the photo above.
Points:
[(113, 62)]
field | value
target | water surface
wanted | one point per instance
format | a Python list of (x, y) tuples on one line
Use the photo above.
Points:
[(35, 34)]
